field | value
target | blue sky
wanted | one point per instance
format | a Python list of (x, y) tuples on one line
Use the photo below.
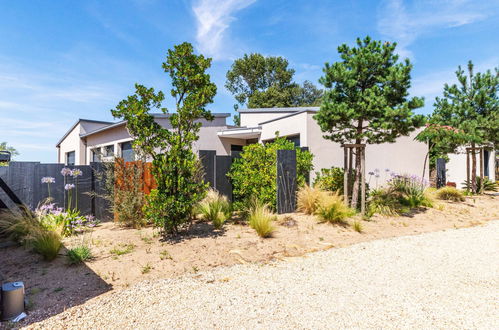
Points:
[(64, 60)]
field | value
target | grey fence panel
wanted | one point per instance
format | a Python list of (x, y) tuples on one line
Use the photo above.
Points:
[(441, 177), (286, 181), (40, 190), (101, 204), (222, 182), (207, 158)]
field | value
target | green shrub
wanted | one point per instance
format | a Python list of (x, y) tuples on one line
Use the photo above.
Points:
[(333, 209), (383, 201), (308, 199), (215, 208), (450, 194), (254, 174), (46, 243), (261, 220), (330, 179), (79, 254), (482, 185)]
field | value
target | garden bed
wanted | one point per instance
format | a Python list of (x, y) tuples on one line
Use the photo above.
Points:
[(123, 257)]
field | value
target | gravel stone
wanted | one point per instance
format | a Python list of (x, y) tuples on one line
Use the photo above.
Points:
[(447, 279)]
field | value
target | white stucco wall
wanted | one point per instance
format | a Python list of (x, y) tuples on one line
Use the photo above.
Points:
[(456, 167), (253, 119), (292, 125), (404, 156), (72, 142)]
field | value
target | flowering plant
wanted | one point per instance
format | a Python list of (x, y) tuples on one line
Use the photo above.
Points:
[(48, 180)]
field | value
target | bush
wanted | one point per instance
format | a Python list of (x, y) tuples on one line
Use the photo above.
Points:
[(450, 194), (482, 185), (308, 199), (330, 179), (215, 208), (47, 243), (79, 254), (403, 193), (255, 172), (261, 218), (332, 209)]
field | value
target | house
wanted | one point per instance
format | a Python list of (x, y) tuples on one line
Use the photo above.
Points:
[(86, 140), (456, 165)]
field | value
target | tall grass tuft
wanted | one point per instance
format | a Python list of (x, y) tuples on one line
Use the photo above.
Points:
[(17, 226), (357, 226), (333, 209), (215, 208), (450, 194), (308, 199), (261, 219), (47, 243)]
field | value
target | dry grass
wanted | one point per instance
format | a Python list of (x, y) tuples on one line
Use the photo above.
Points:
[(450, 194), (308, 199), (261, 220), (215, 208), (332, 209)]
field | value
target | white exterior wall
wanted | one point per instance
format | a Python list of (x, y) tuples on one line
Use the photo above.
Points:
[(456, 167), (292, 125), (404, 156), (72, 142), (253, 119)]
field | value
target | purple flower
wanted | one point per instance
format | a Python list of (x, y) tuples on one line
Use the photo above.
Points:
[(48, 179), (376, 176), (376, 170), (66, 171), (76, 173), (371, 173), (69, 186)]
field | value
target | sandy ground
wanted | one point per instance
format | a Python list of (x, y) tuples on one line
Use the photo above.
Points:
[(53, 287), (418, 282)]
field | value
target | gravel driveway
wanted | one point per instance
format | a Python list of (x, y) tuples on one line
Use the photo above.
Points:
[(444, 279)]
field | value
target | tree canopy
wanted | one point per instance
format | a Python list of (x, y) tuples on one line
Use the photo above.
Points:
[(366, 98), (471, 107), (5, 147), (264, 82), (175, 165)]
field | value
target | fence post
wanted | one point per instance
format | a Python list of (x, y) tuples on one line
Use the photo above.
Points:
[(441, 179), (286, 181)]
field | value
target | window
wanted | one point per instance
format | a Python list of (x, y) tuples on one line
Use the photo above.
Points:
[(235, 147), (127, 152), (108, 151), (70, 158), (96, 155)]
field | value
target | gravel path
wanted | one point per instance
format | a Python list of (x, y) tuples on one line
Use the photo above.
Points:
[(444, 279)]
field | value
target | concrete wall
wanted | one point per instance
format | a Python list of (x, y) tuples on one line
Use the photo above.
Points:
[(456, 167)]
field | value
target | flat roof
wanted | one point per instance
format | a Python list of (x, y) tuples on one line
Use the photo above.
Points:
[(277, 110), (289, 115)]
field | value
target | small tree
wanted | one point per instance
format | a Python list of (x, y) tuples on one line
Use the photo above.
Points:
[(5, 147), (176, 167), (472, 106), (254, 174), (366, 98)]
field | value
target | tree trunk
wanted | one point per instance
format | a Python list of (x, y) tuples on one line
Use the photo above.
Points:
[(473, 169), (358, 155)]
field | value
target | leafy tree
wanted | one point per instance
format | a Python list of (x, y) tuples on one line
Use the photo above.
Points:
[(471, 106), (5, 147), (266, 82), (366, 98), (254, 174), (176, 167)]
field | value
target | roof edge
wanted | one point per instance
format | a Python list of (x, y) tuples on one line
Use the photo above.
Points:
[(286, 116), (76, 124)]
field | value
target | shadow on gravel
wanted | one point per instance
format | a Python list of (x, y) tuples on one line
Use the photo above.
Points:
[(51, 287), (196, 230)]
